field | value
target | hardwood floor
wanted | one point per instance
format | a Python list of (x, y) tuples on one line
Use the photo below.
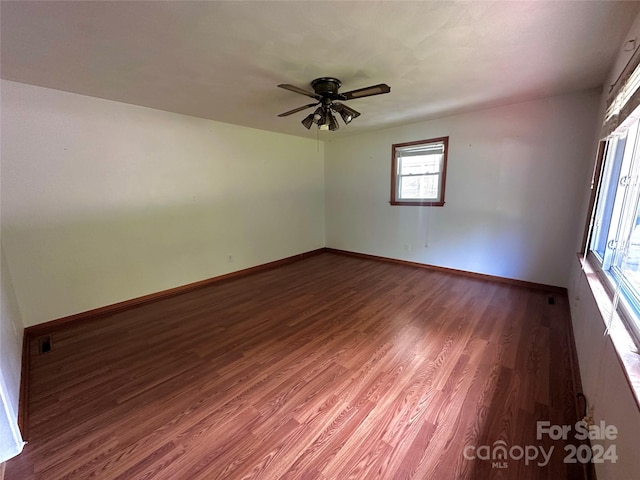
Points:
[(329, 368)]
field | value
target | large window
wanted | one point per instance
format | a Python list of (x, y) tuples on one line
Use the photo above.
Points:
[(418, 172), (614, 242), (613, 237)]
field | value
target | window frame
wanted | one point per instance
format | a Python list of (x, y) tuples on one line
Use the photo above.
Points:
[(611, 276), (395, 177)]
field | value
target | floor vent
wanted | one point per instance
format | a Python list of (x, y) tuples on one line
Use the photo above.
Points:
[(44, 345)]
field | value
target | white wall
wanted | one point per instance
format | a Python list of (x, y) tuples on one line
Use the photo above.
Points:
[(603, 380), (11, 329), (104, 202), (514, 183)]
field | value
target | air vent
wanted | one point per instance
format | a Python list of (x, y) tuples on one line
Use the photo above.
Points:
[(44, 345)]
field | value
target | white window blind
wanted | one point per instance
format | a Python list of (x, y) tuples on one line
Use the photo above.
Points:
[(624, 97)]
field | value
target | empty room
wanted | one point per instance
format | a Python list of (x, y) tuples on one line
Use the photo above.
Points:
[(320, 240)]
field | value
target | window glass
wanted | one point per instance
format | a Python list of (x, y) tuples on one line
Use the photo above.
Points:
[(423, 186)]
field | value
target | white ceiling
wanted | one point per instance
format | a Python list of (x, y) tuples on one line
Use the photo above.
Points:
[(223, 60)]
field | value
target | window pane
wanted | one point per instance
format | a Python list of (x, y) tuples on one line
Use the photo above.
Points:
[(609, 192), (628, 233), (610, 180), (626, 272), (611, 222), (632, 261), (420, 165), (622, 211), (419, 187)]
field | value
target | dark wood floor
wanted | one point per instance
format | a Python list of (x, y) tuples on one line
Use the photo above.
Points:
[(329, 368)]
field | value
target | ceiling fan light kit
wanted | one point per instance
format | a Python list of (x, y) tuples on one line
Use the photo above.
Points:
[(308, 121), (325, 91)]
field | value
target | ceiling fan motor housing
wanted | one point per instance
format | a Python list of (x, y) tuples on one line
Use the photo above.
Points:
[(326, 85)]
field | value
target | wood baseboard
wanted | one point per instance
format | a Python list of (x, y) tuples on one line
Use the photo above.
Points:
[(480, 276), (49, 327), (23, 399), (576, 378), (298, 331), (52, 325)]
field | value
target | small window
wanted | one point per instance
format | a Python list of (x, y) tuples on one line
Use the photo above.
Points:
[(418, 172)]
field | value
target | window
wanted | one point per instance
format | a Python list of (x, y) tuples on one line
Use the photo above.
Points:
[(418, 172), (613, 233), (614, 243)]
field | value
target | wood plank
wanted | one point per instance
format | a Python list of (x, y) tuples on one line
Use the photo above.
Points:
[(333, 367)]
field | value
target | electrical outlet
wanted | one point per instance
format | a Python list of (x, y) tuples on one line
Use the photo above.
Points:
[(407, 247), (230, 258)]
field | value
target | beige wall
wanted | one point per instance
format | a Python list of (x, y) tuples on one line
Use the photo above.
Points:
[(514, 183), (104, 202)]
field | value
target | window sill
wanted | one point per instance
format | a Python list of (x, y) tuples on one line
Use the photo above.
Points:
[(417, 204), (621, 340)]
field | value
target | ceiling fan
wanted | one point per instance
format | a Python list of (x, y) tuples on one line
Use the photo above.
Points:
[(325, 91)]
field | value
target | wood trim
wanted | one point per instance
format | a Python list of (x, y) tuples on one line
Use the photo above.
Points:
[(443, 176), (23, 399), (595, 188), (48, 327), (418, 204), (464, 273)]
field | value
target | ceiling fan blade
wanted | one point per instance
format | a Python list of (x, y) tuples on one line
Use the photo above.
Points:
[(367, 91), (301, 91), (296, 110)]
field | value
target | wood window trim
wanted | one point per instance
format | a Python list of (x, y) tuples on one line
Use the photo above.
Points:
[(443, 174), (596, 178)]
